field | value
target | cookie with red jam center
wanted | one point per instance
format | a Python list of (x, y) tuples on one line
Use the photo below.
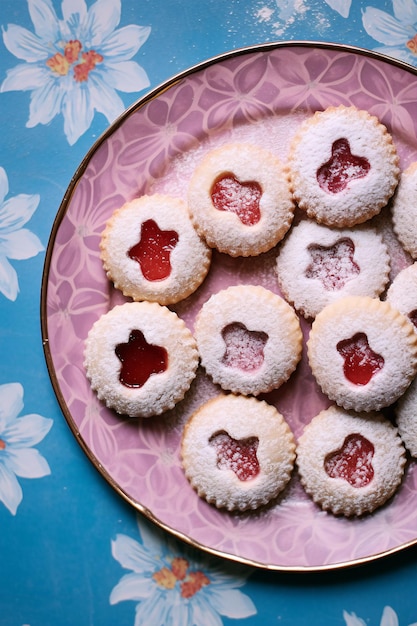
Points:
[(151, 251), (239, 199), (404, 210), (140, 359), (350, 463), (249, 339), (344, 166), (317, 265), (237, 453), (362, 353)]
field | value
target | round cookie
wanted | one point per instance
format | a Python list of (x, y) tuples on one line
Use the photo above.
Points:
[(402, 293), (404, 210), (151, 251), (350, 463), (406, 418), (362, 352), (140, 358), (317, 265), (249, 339), (237, 453), (239, 199), (344, 166)]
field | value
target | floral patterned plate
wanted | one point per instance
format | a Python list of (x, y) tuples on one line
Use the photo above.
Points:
[(256, 94)]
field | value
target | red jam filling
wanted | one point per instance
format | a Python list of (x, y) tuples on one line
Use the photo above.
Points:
[(140, 360), (229, 194), (360, 361), (413, 317), (153, 251), (238, 455), (342, 167), (333, 265), (353, 462), (244, 348)]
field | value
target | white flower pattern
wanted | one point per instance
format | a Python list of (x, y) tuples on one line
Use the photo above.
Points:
[(16, 242), (75, 65), (389, 618), (172, 585), (18, 435)]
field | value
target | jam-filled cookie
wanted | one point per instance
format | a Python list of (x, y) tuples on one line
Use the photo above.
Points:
[(350, 463), (344, 166), (404, 210), (406, 418), (402, 293), (249, 339), (317, 265), (362, 352), (140, 358), (239, 199), (237, 453), (151, 251)]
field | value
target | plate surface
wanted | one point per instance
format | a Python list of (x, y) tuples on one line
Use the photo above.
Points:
[(260, 95)]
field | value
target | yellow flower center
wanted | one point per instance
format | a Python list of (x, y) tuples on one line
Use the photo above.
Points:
[(81, 63), (412, 44), (190, 582)]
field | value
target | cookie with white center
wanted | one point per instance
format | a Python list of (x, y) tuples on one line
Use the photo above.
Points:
[(140, 359), (237, 453), (239, 199), (406, 418), (151, 251), (402, 293), (344, 166), (362, 352), (404, 210), (249, 339), (317, 265), (350, 463)]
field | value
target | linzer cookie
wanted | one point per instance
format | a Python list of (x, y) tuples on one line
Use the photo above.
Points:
[(406, 418), (404, 210), (402, 293), (350, 463), (140, 359), (239, 199), (237, 453), (249, 339), (151, 251), (317, 265), (362, 352), (344, 166)]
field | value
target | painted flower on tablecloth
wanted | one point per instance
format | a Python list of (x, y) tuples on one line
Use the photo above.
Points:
[(75, 65), (18, 435), (16, 242), (389, 618), (397, 32), (286, 13), (174, 585)]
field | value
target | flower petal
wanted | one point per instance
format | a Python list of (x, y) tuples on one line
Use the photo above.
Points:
[(131, 587), (341, 6), (11, 403), (4, 185), (131, 555), (27, 431), (10, 490), (405, 11), (24, 77), (27, 463), (45, 104), (232, 603), (125, 42), (44, 20), (24, 44), (78, 113), (103, 18), (74, 11), (352, 620), (16, 211), (104, 99), (126, 76), (9, 284), (385, 28), (21, 245), (389, 617)]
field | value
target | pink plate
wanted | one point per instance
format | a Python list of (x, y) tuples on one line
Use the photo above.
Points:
[(260, 95)]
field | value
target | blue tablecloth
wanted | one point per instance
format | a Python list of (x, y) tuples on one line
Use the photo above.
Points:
[(72, 551)]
